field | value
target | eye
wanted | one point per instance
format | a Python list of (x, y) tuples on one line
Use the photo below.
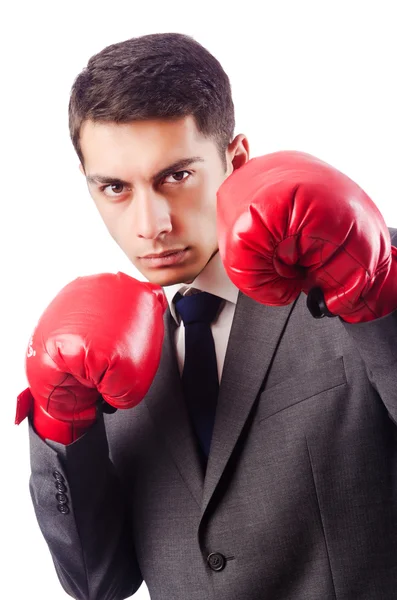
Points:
[(178, 176), (113, 189)]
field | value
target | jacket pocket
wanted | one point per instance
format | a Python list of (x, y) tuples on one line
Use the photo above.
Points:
[(300, 387)]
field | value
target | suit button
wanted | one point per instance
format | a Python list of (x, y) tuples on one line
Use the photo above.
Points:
[(62, 498), (63, 508), (60, 487), (216, 561), (58, 476)]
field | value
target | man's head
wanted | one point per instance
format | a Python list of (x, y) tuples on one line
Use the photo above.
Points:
[(152, 122)]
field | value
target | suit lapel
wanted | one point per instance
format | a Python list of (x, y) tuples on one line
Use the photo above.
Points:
[(167, 409), (253, 340)]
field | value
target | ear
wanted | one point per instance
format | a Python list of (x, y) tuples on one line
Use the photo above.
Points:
[(237, 153), (81, 169)]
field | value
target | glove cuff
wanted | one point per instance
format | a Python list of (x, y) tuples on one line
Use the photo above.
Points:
[(64, 432), (381, 298), (46, 426)]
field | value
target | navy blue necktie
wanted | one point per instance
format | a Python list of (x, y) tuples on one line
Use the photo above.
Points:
[(200, 374)]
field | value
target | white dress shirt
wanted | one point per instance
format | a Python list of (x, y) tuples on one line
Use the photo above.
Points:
[(212, 279)]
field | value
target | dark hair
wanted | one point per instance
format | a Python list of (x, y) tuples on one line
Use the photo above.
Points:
[(161, 75)]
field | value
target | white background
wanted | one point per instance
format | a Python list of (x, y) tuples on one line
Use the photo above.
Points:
[(313, 76)]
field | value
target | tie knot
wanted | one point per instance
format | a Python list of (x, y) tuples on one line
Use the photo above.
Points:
[(197, 308)]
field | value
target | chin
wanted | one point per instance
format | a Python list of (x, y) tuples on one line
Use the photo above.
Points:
[(166, 277)]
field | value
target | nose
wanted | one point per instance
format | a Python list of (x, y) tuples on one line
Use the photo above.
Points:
[(152, 215)]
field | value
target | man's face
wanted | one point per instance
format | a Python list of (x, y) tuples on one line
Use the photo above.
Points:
[(154, 184)]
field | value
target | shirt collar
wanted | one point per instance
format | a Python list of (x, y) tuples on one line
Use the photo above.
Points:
[(212, 279)]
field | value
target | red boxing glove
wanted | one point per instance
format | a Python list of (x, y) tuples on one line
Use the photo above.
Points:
[(101, 337), (289, 222)]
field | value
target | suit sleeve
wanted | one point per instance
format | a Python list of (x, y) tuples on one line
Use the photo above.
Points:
[(376, 342), (80, 508)]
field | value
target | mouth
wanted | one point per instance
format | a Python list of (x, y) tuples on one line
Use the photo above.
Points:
[(164, 259), (162, 254)]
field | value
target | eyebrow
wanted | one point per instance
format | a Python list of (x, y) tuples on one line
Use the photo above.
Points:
[(174, 167)]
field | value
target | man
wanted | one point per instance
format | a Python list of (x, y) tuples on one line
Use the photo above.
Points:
[(289, 490)]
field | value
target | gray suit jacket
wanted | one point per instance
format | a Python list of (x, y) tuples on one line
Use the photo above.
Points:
[(299, 499)]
